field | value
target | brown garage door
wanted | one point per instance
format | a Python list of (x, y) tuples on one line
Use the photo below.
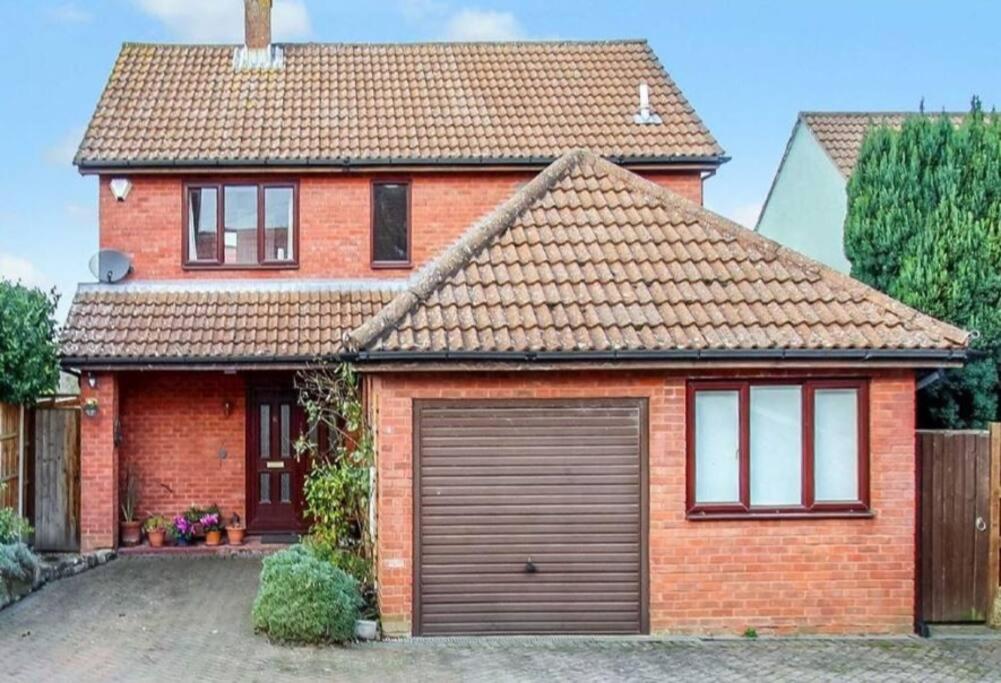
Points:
[(530, 517)]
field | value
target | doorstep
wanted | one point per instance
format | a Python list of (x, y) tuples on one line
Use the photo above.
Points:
[(254, 547)]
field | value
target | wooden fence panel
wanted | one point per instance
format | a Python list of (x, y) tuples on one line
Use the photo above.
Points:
[(10, 455), (57, 479), (956, 518)]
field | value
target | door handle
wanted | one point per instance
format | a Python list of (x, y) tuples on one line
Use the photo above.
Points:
[(530, 567), (980, 524)]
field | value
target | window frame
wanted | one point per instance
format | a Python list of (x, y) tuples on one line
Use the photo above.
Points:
[(385, 265), (808, 506), (220, 186)]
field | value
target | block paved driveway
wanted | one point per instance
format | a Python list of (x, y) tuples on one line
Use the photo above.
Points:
[(180, 619)]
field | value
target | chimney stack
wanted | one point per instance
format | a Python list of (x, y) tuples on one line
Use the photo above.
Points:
[(257, 24)]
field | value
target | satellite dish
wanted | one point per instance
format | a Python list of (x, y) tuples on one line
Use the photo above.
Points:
[(110, 265)]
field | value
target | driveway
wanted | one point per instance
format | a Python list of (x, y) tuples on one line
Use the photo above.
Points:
[(189, 619)]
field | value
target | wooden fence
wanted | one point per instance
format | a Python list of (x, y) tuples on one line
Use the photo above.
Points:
[(960, 498), (11, 455)]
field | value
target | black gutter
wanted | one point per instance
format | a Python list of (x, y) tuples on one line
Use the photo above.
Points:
[(341, 162), (548, 356)]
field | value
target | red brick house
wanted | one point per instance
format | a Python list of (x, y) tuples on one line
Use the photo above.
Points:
[(598, 407)]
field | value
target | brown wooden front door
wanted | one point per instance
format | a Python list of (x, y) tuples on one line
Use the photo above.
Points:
[(275, 475)]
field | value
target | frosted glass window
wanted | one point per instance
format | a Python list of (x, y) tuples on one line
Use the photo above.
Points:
[(265, 491), (776, 445), (285, 436), (835, 445), (265, 431), (717, 447)]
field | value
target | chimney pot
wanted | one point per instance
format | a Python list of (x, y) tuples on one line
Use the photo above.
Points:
[(257, 23)]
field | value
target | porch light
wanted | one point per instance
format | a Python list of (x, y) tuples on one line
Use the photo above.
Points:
[(91, 380), (90, 407), (120, 188)]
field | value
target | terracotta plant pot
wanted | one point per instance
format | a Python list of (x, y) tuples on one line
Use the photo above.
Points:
[(213, 537), (156, 537), (234, 535), (130, 533)]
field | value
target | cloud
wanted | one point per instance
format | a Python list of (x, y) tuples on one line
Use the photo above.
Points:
[(747, 215), (16, 269), (478, 25), (69, 13), (420, 10), (221, 21), (61, 152)]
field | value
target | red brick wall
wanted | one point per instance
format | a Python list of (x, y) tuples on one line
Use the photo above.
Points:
[(334, 213), (812, 576), (173, 427), (99, 473)]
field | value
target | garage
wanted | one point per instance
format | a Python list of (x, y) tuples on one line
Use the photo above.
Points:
[(530, 517)]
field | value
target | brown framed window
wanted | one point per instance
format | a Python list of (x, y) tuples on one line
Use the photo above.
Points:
[(773, 448), (390, 224), (241, 225)]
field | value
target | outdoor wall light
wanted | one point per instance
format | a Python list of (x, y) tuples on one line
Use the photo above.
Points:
[(90, 407), (91, 380), (120, 188), (227, 407)]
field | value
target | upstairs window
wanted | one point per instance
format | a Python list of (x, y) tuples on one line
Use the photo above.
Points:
[(390, 224), (775, 448), (240, 225)]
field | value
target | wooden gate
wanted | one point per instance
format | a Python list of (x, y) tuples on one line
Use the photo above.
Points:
[(11, 443), (958, 570), (57, 479)]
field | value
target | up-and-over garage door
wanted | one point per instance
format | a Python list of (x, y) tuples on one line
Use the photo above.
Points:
[(530, 517)]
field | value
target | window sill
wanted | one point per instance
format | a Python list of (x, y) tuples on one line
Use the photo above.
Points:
[(737, 516), (392, 265), (248, 266)]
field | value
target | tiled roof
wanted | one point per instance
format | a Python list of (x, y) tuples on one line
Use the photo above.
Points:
[(270, 321), (841, 133), (591, 257), (338, 103)]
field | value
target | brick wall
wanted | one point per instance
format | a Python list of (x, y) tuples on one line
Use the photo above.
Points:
[(334, 212), (99, 472), (780, 576), (173, 428)]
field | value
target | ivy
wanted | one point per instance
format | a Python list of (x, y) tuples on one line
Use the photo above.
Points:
[(29, 356), (337, 488), (924, 226)]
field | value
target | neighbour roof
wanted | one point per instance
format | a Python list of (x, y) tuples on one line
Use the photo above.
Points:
[(589, 257), (841, 133), (430, 103), (191, 321)]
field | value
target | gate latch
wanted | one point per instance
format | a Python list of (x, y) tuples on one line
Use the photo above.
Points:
[(981, 524)]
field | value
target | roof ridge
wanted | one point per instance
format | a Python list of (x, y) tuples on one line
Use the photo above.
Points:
[(741, 233), (418, 43)]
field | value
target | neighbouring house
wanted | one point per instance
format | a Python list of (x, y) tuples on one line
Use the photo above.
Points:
[(806, 206), (598, 407)]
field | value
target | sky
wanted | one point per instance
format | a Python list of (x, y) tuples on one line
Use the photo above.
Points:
[(747, 67)]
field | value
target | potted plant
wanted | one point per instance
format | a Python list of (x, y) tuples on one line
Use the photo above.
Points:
[(183, 530), (129, 530), (156, 530), (235, 530), (212, 527)]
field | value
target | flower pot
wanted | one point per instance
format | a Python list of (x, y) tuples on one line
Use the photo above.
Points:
[(366, 630), (156, 537), (213, 537), (130, 533), (234, 535), (181, 540)]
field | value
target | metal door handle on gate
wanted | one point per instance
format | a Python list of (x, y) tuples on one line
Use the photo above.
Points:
[(981, 524)]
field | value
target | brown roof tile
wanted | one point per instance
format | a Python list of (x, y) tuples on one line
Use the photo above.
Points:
[(333, 103), (841, 133), (650, 271), (169, 322)]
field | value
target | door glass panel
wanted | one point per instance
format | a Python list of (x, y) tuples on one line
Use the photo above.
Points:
[(265, 496), (835, 445), (286, 487), (286, 440), (265, 431), (717, 453), (776, 446)]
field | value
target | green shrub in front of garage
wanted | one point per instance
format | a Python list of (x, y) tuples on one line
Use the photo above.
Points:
[(304, 599)]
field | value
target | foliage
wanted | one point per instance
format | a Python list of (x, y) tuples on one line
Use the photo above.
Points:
[(195, 513), (183, 530), (211, 522), (337, 489), (750, 632), (355, 565), (29, 363), (130, 494), (156, 523), (17, 566), (305, 599), (13, 527), (924, 226)]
